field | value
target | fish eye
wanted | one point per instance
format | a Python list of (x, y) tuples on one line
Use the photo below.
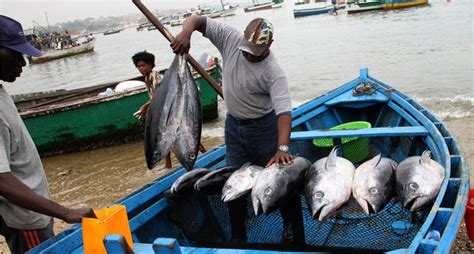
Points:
[(413, 186), (373, 190), (227, 187), (318, 194), (268, 191), (192, 156)]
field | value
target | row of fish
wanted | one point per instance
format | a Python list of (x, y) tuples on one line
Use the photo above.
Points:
[(328, 183), (174, 117)]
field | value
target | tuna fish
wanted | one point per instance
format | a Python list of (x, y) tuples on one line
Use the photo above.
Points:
[(328, 185), (418, 179), (186, 182), (174, 118), (277, 184), (240, 182), (213, 182), (373, 184)]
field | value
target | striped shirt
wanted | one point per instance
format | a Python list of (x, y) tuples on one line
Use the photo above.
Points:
[(251, 90)]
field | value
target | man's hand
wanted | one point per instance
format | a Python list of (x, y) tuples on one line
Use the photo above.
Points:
[(280, 158), (141, 113), (75, 215), (182, 42)]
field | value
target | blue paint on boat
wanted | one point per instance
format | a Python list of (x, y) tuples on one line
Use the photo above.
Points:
[(400, 128)]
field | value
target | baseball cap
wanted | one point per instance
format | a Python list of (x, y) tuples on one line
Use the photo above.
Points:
[(257, 37), (13, 37)]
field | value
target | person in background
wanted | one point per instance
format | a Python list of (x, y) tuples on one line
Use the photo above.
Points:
[(258, 123), (26, 209), (145, 62)]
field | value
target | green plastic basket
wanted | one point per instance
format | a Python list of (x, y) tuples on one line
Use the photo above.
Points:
[(355, 149)]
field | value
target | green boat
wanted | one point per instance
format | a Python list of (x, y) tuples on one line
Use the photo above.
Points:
[(80, 119)]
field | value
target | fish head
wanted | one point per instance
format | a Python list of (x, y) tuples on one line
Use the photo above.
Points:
[(267, 191), (238, 184), (419, 190), (370, 198), (321, 207), (186, 150)]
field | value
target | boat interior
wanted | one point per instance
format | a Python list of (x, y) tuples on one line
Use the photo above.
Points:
[(399, 128)]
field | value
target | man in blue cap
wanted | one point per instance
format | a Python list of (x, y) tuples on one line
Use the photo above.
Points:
[(26, 209), (256, 93)]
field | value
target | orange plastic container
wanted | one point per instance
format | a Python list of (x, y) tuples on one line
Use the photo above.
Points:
[(469, 215), (111, 220)]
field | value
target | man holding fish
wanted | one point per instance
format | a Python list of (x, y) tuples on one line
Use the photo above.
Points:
[(257, 97)]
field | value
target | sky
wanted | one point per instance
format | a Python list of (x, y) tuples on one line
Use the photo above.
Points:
[(25, 11)]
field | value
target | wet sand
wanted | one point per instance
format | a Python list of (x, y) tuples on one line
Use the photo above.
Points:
[(99, 177)]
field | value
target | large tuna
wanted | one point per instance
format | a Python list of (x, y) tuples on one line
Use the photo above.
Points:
[(277, 184), (240, 182), (418, 179), (185, 182), (174, 118), (213, 182), (328, 184), (373, 184)]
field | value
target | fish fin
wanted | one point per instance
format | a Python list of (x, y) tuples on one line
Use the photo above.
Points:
[(393, 164), (376, 160), (332, 158), (425, 157)]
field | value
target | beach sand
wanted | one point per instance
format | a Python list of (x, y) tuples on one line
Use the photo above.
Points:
[(133, 178)]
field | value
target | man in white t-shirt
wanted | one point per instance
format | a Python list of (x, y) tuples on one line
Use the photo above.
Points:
[(258, 122), (26, 209)]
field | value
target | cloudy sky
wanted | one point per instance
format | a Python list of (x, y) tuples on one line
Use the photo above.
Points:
[(25, 11)]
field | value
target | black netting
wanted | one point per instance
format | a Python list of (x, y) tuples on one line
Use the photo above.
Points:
[(392, 228)]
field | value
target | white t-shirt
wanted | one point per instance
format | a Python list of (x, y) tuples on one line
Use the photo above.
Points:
[(251, 90), (19, 156)]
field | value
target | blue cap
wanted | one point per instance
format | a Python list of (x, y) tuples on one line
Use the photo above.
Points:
[(13, 37)]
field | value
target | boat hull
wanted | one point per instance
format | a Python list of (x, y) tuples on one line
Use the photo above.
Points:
[(259, 7), (58, 54), (400, 128), (398, 4), (99, 121), (362, 6)]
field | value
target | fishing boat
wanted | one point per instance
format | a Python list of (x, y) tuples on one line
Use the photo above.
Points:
[(72, 120), (256, 6), (397, 4), (399, 127), (112, 31), (315, 8), (355, 6), (53, 54)]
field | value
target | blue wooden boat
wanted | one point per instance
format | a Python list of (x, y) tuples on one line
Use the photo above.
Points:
[(400, 128), (315, 10)]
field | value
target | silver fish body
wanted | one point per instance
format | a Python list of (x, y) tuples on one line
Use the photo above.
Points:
[(419, 179), (374, 183), (240, 182), (213, 182), (174, 118), (328, 185), (277, 184), (185, 182)]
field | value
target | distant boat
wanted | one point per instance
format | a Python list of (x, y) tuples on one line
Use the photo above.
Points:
[(228, 10), (179, 18), (112, 31), (354, 6), (258, 6), (53, 54), (397, 4), (315, 8)]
